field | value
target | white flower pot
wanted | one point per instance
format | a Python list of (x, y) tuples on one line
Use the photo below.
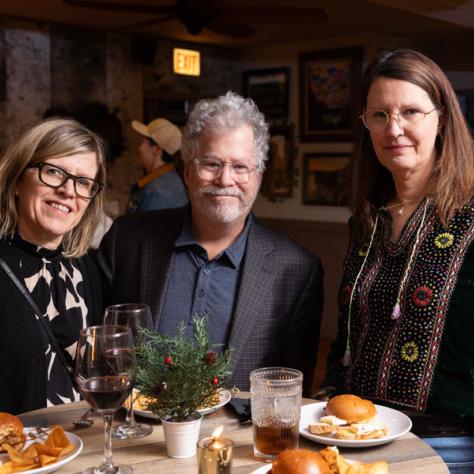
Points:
[(181, 437)]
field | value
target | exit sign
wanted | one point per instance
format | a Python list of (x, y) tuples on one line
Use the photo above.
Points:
[(187, 62)]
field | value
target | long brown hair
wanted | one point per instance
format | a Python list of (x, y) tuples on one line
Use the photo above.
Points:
[(50, 138), (452, 181)]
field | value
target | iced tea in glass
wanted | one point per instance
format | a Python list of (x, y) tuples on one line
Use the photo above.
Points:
[(275, 393)]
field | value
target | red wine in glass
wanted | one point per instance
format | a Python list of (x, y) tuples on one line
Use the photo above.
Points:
[(107, 393), (105, 373)]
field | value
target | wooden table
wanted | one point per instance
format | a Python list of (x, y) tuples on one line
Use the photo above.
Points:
[(407, 454)]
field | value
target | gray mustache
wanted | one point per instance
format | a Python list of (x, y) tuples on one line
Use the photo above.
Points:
[(221, 191)]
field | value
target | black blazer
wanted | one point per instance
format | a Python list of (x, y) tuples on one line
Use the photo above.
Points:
[(280, 298)]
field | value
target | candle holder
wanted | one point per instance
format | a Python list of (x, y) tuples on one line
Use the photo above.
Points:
[(215, 455)]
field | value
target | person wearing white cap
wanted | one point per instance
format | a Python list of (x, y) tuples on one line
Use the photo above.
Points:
[(161, 187)]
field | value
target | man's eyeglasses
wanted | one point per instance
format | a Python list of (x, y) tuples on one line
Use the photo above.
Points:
[(210, 169), (375, 119), (55, 177)]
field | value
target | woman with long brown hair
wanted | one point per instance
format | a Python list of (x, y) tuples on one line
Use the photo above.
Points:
[(407, 294)]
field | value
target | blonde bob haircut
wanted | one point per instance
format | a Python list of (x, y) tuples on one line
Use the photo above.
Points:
[(52, 138)]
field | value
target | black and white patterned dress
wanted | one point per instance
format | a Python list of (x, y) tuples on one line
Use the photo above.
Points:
[(57, 286)]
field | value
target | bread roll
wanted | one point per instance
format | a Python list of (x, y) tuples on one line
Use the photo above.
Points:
[(11, 431), (351, 408), (299, 461)]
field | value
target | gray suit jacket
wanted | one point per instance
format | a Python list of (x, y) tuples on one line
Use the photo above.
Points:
[(279, 303)]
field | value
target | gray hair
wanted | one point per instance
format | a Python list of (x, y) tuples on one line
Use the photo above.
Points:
[(209, 116)]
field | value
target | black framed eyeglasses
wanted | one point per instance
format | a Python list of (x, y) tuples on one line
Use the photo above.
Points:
[(55, 177)]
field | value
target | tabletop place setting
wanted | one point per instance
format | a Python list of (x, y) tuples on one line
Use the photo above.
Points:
[(176, 382), (276, 396)]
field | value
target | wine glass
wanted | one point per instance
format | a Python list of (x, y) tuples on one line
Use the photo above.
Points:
[(135, 316), (105, 372)]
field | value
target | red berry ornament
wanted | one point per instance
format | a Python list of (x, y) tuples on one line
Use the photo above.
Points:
[(168, 360), (215, 381)]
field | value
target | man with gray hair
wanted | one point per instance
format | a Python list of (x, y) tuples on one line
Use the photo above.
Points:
[(262, 293)]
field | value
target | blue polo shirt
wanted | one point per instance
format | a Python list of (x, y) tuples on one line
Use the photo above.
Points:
[(201, 286)]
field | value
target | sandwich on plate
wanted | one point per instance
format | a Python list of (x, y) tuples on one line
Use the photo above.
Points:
[(349, 417), (11, 431)]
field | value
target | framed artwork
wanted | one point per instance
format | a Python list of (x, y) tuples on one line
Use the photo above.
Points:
[(269, 88), (329, 94), (278, 176), (325, 178), (466, 101)]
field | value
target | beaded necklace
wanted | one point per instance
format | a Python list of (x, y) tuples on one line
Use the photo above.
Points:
[(396, 312)]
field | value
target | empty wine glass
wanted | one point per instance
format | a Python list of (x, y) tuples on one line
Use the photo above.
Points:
[(135, 316), (105, 373)]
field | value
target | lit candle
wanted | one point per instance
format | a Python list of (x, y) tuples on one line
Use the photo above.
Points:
[(215, 454)]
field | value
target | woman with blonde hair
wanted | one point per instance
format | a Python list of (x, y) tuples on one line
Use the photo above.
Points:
[(51, 180), (407, 294)]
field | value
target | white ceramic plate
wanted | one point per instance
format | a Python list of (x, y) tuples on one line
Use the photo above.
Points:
[(262, 470), (397, 423), (52, 467), (224, 398)]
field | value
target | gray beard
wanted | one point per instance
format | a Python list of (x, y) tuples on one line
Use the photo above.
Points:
[(222, 213)]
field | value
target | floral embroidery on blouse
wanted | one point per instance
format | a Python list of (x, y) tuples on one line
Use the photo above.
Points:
[(422, 296), (444, 240), (363, 250), (409, 351), (394, 360)]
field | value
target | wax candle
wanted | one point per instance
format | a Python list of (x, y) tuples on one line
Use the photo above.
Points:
[(215, 454)]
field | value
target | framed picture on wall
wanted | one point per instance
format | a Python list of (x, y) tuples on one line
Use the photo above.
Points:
[(269, 88), (329, 94), (325, 178), (278, 176)]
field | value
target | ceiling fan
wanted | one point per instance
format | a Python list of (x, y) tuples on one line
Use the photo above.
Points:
[(195, 15)]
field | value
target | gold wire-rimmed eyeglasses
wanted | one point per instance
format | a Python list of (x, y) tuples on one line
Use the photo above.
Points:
[(210, 169), (376, 119)]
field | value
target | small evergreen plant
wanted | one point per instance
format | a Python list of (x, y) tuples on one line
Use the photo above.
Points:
[(179, 373)]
